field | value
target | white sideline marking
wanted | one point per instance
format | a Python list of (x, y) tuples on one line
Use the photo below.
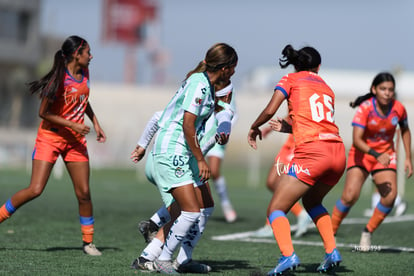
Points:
[(247, 236)]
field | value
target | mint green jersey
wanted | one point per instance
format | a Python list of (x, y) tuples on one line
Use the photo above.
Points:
[(196, 95)]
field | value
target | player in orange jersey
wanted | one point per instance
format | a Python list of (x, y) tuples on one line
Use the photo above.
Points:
[(282, 160), (373, 152), (319, 157), (64, 94)]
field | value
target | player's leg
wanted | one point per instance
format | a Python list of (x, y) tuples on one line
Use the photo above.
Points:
[(154, 248), (289, 191), (386, 183), (184, 262), (272, 178), (40, 174), (79, 173), (220, 185), (312, 201), (355, 178)]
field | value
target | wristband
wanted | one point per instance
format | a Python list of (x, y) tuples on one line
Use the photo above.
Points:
[(374, 153)]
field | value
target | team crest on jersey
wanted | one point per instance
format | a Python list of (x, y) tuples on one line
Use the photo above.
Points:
[(394, 120), (198, 100), (179, 172)]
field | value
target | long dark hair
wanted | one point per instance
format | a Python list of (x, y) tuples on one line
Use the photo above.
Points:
[(49, 84), (305, 59), (219, 55), (380, 78)]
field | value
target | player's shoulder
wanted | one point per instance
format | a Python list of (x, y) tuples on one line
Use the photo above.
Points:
[(398, 105)]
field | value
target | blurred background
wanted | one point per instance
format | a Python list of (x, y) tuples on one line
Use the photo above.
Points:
[(143, 49)]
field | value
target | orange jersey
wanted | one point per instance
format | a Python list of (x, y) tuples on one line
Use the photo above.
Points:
[(70, 102), (311, 107), (379, 130)]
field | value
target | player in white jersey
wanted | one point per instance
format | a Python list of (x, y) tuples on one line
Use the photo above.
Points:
[(215, 157), (220, 129), (178, 160)]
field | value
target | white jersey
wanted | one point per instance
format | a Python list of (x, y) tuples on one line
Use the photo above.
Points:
[(196, 96)]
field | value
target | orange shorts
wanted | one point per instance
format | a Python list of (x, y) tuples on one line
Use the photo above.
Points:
[(285, 155), (318, 161), (50, 150), (357, 158)]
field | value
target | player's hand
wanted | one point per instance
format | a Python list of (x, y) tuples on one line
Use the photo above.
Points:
[(137, 154), (80, 128), (204, 170), (251, 137), (384, 159), (100, 135), (222, 138), (408, 168)]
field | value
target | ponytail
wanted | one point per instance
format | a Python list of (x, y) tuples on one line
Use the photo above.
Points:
[(49, 84), (361, 99), (305, 59)]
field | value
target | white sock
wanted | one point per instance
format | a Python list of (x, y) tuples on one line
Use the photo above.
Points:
[(221, 189), (161, 217), (193, 236), (397, 201), (177, 233), (153, 250)]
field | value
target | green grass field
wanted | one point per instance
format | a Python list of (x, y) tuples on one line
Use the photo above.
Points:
[(43, 237)]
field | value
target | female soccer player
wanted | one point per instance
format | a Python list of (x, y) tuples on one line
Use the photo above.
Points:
[(64, 94), (319, 157), (177, 156), (373, 152), (215, 158), (156, 236)]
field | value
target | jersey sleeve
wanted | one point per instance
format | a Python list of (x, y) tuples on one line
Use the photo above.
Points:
[(195, 95), (284, 86), (150, 129), (361, 115), (403, 122)]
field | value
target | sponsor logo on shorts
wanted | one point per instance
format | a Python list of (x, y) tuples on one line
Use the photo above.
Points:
[(295, 168), (179, 172)]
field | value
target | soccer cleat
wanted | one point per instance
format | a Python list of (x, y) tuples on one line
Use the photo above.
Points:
[(191, 267), (263, 232), (165, 267), (90, 249), (285, 263), (144, 229), (400, 209), (229, 214), (365, 242), (331, 261), (143, 264), (303, 222)]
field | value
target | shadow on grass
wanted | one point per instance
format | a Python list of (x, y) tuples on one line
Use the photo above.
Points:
[(60, 248), (225, 265), (307, 268)]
